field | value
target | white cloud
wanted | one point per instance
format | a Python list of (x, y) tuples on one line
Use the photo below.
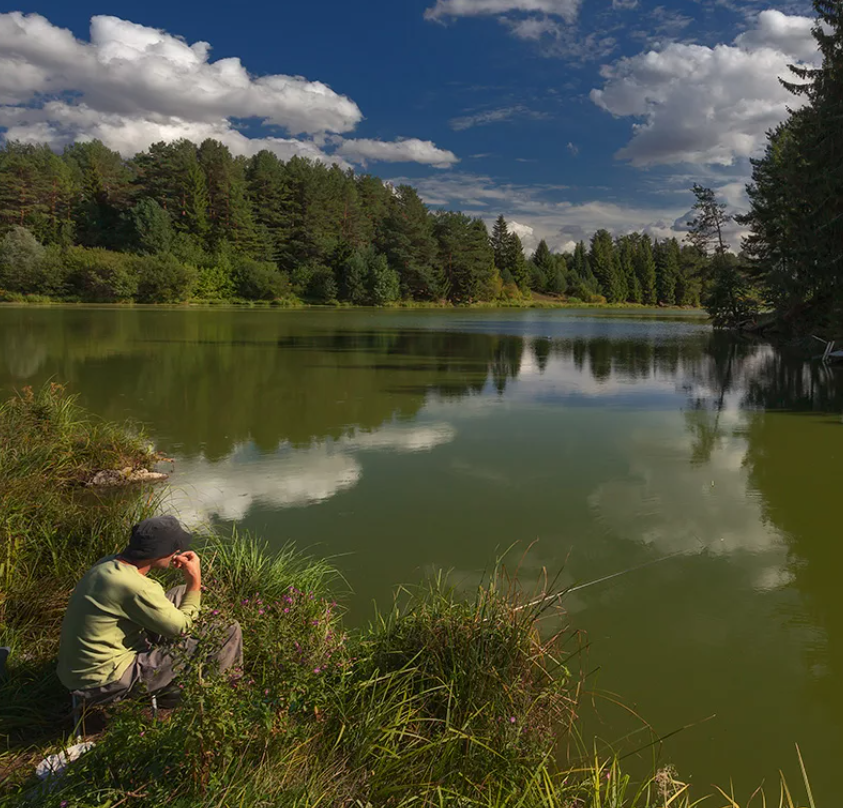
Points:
[(533, 28), (131, 85), (566, 9), (783, 33), (410, 150), (573, 148), (707, 105), (524, 232), (560, 222), (624, 4), (498, 115), (559, 41)]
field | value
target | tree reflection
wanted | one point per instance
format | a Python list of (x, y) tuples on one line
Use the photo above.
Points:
[(208, 381)]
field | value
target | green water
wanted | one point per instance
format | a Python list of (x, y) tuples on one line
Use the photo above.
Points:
[(408, 442)]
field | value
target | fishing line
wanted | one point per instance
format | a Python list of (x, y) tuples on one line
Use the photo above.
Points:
[(605, 578)]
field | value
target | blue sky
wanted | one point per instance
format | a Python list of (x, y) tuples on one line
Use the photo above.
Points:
[(564, 115)]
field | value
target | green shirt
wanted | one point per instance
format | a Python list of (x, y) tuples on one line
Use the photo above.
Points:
[(107, 619)]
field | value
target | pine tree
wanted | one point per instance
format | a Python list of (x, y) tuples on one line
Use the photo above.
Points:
[(604, 264), (270, 198), (797, 193), (465, 256), (408, 242), (645, 270), (105, 186), (515, 263), (626, 249), (499, 241), (667, 270)]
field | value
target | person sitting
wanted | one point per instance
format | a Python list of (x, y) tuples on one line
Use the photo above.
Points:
[(113, 632)]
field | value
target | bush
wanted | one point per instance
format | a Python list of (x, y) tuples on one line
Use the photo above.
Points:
[(164, 279), (259, 280), (599, 299), (21, 257), (100, 276), (214, 283), (383, 283), (322, 286)]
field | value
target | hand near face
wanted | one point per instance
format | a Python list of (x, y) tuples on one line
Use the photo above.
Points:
[(188, 563)]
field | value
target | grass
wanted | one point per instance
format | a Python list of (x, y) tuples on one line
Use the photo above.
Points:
[(443, 700)]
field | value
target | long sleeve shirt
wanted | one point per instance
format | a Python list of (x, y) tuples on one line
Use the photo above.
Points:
[(108, 617)]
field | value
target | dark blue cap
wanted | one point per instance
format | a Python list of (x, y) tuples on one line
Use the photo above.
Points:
[(154, 538)]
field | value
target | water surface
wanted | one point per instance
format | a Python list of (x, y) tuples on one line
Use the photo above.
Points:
[(408, 442)]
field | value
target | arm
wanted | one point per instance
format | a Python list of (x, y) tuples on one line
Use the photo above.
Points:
[(150, 608)]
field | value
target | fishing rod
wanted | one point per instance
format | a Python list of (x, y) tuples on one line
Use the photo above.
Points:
[(580, 587)]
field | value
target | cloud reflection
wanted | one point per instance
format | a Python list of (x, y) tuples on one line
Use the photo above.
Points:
[(227, 489)]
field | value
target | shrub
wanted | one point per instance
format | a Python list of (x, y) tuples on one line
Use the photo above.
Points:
[(164, 279), (600, 299), (383, 283), (259, 280), (322, 286), (100, 276), (21, 257), (150, 227), (214, 283)]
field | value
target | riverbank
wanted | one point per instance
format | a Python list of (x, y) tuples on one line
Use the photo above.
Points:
[(443, 700)]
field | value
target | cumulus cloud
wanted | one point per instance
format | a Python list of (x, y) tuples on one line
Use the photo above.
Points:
[(707, 105), (409, 150), (566, 9), (485, 117), (131, 85), (524, 232)]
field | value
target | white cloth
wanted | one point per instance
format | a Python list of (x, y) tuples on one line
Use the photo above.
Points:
[(56, 764)]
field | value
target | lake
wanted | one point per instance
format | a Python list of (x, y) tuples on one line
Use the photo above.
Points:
[(406, 442)]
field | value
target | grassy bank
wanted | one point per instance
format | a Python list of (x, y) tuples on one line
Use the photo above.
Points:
[(444, 700), (298, 304)]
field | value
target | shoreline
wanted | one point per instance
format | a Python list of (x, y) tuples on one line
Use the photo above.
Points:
[(298, 305)]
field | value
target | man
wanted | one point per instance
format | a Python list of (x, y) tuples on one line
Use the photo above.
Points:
[(117, 616)]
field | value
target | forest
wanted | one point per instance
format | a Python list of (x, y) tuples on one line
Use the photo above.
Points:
[(182, 221)]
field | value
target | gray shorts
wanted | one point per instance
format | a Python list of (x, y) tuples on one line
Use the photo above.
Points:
[(157, 668)]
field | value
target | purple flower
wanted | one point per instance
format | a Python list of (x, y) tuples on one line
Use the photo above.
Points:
[(286, 610), (512, 719), (63, 804), (317, 670), (266, 692), (215, 612), (260, 611)]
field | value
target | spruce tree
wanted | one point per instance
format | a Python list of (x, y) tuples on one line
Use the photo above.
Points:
[(604, 264), (645, 270)]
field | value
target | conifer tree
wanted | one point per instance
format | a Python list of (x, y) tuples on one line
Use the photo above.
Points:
[(604, 264), (645, 270)]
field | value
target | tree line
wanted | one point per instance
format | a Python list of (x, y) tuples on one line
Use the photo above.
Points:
[(184, 221)]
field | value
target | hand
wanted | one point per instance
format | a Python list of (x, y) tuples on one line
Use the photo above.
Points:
[(188, 563)]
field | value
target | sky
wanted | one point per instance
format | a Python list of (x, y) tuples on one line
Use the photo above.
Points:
[(565, 116)]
